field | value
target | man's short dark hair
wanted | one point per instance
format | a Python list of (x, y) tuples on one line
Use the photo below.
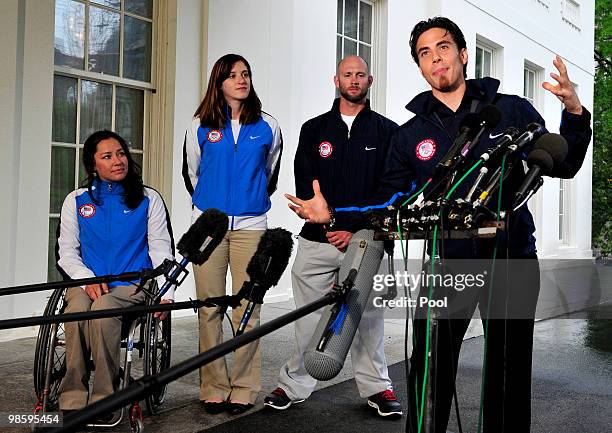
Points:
[(437, 22)]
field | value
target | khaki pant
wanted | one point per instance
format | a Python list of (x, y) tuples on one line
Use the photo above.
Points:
[(99, 339), (244, 381)]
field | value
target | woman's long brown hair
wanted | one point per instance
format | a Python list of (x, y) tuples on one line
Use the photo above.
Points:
[(212, 108)]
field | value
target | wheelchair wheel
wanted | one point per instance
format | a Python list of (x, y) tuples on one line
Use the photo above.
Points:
[(157, 356), (46, 339)]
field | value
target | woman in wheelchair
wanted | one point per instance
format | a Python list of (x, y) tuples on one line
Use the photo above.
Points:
[(113, 225)]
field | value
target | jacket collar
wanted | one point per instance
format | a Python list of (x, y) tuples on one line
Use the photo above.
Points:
[(336, 107), (483, 89), (104, 187)]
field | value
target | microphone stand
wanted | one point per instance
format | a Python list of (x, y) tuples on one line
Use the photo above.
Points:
[(148, 384), (144, 275)]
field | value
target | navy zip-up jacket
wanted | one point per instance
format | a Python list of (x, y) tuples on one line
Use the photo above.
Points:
[(433, 129), (347, 164)]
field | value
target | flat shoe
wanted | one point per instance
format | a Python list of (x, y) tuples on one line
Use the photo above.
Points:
[(238, 408), (214, 408)]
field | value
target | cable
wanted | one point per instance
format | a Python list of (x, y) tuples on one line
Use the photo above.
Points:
[(427, 325), (416, 194), (486, 328)]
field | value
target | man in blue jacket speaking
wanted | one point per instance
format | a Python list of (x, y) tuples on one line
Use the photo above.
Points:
[(439, 48)]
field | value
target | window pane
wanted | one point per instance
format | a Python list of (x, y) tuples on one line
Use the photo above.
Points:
[(82, 175), (144, 8), (338, 49), (350, 48), (339, 18), (137, 49), (95, 108), (478, 70), (365, 23), (365, 52), (103, 41), (525, 83), (52, 272), (110, 3), (62, 175), (64, 109), (129, 115), (69, 34), (350, 18), (486, 64), (137, 157)]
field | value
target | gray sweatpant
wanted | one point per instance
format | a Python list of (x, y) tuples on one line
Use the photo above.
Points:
[(313, 274)]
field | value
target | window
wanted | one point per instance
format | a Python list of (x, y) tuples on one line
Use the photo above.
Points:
[(488, 58), (532, 77), (102, 80), (571, 13), (354, 33), (484, 62), (564, 211)]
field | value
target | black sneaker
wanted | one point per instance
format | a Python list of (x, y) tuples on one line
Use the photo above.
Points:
[(279, 400), (386, 404)]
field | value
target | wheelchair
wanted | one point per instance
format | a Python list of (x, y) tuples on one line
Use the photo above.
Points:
[(153, 344)]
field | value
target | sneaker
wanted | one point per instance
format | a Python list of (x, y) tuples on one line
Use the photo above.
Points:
[(279, 400), (386, 404)]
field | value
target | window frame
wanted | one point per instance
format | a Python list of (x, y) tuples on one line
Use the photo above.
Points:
[(496, 51), (538, 77), (375, 93), (147, 87)]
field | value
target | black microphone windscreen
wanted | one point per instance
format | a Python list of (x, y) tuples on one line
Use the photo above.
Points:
[(204, 235), (542, 159), (554, 144), (271, 257), (471, 120), (491, 115)]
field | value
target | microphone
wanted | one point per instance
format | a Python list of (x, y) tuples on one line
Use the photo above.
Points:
[(550, 149), (488, 119), (334, 334), (265, 269), (508, 136), (196, 245), (534, 131), (469, 122)]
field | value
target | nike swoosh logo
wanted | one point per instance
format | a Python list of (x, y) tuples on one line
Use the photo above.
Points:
[(369, 148), (126, 211), (491, 136), (253, 138)]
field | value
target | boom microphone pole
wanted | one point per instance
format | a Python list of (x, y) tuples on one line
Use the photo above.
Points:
[(148, 384), (196, 245)]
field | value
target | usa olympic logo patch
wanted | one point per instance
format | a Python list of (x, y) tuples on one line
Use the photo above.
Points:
[(214, 135), (87, 210), (325, 149), (426, 149)]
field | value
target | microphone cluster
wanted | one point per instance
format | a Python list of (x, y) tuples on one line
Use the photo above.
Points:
[(480, 176)]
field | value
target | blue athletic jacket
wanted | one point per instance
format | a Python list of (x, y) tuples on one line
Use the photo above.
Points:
[(410, 157), (236, 177), (110, 238)]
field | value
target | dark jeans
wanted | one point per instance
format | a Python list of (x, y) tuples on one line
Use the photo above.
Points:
[(509, 343)]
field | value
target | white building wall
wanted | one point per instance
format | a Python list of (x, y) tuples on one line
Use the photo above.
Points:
[(291, 47), (25, 134)]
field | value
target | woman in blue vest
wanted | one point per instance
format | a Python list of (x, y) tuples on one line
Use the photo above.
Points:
[(113, 225), (231, 160)]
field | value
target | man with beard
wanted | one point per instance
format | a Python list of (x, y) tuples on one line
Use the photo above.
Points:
[(439, 49), (345, 150)]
